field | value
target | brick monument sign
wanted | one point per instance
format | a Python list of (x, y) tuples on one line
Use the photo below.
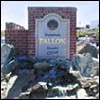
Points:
[(51, 33)]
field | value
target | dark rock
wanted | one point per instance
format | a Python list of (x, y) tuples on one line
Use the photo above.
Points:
[(7, 68), (24, 95), (63, 63), (29, 72), (25, 62), (88, 48), (24, 59), (39, 91), (93, 90), (75, 73), (60, 77), (42, 66), (59, 91), (52, 62), (85, 64), (7, 52), (25, 88), (49, 91), (71, 89)]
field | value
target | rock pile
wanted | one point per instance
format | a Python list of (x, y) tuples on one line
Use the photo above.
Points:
[(32, 78)]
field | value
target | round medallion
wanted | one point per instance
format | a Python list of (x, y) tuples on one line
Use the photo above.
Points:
[(52, 24)]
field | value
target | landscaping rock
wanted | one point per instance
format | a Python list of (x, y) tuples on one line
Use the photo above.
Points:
[(24, 95), (42, 66), (91, 85), (39, 91), (7, 52), (93, 90), (26, 72), (60, 62), (59, 91), (25, 62), (26, 78), (52, 62), (75, 73), (7, 68), (71, 89), (85, 64), (81, 94), (97, 96), (89, 48)]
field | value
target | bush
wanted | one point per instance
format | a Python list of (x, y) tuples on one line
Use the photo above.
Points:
[(2, 33), (96, 33), (81, 33)]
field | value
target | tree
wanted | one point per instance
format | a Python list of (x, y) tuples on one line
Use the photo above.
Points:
[(96, 33), (2, 33), (81, 33)]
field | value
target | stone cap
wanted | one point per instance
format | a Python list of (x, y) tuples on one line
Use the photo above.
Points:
[(58, 8), (11, 25)]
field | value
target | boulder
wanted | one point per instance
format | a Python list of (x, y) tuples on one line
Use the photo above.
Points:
[(85, 64), (93, 90), (71, 89), (41, 66), (39, 91), (7, 68), (89, 48), (39, 85), (63, 63), (90, 84), (24, 95), (57, 76), (81, 94), (96, 78), (52, 62), (97, 96), (7, 52), (59, 91), (26, 72), (25, 88), (51, 74), (75, 73), (25, 62)]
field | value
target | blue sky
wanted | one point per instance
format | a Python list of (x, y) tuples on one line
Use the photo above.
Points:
[(16, 11)]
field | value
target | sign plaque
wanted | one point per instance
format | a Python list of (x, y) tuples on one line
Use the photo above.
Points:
[(52, 37)]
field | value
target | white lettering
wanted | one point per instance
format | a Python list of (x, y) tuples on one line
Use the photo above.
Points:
[(52, 41)]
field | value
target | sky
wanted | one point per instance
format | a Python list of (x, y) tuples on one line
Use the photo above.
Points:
[(17, 12)]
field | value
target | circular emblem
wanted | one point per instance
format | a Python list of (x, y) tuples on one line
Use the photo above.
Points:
[(52, 24)]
